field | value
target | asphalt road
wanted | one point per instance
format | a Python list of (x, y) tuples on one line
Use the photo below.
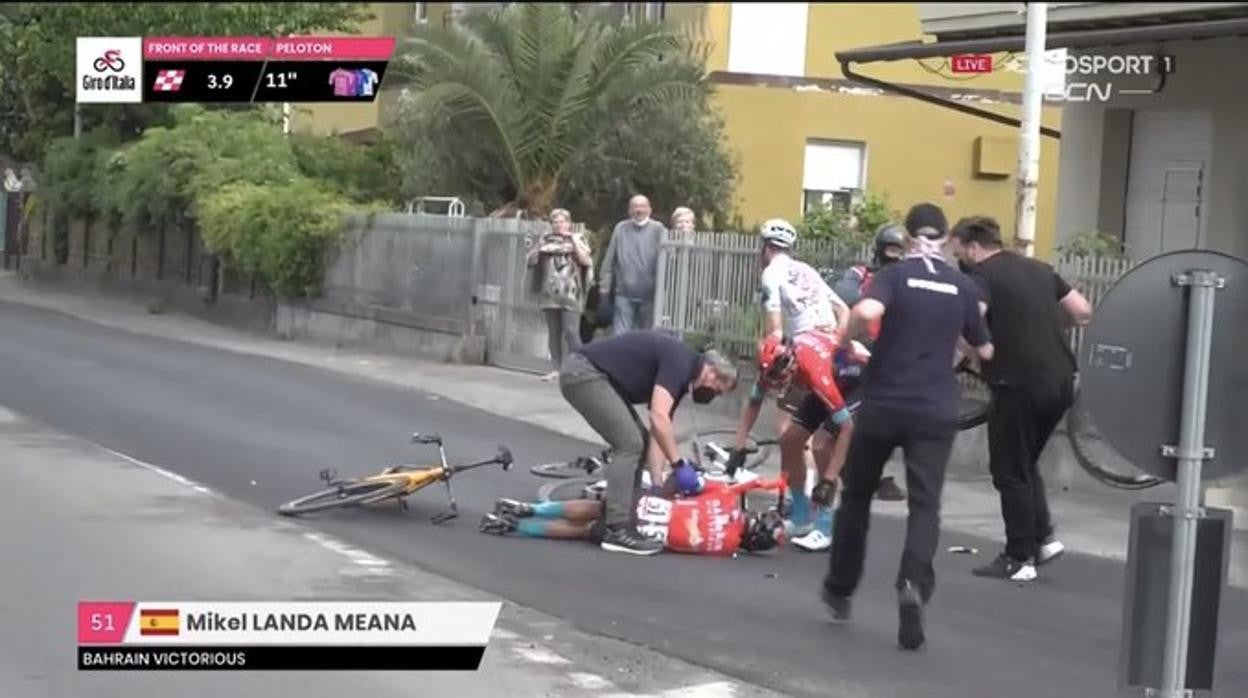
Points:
[(259, 430)]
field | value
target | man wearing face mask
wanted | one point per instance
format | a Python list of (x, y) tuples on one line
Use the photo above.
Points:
[(910, 400), (630, 268), (603, 381)]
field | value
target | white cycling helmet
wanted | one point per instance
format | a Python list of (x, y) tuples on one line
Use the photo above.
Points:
[(778, 232)]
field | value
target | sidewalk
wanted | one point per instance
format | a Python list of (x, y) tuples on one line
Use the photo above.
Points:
[(123, 530), (1092, 518)]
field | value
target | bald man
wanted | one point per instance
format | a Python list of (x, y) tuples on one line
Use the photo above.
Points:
[(630, 268)]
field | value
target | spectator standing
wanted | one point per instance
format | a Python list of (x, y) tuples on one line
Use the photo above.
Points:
[(1031, 375), (910, 400), (683, 220), (564, 265), (630, 268)]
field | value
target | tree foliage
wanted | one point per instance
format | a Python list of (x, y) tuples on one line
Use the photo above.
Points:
[(853, 226), (534, 87), (37, 49)]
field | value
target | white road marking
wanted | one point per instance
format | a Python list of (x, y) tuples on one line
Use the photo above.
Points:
[(355, 555), (539, 655), (159, 471), (589, 682), (505, 634), (716, 689)]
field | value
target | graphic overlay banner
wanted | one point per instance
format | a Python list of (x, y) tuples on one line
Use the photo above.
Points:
[(258, 69), (196, 635)]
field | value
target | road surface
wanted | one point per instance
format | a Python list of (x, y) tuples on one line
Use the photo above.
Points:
[(258, 430)]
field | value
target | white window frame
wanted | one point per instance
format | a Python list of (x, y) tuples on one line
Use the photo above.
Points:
[(421, 13), (844, 197)]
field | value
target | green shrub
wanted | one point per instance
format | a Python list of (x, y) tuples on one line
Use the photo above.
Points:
[(159, 180), (849, 228), (1092, 243), (281, 233), (360, 172), (72, 169)]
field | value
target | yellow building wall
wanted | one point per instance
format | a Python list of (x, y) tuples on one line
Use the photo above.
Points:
[(389, 19), (832, 27), (912, 149)]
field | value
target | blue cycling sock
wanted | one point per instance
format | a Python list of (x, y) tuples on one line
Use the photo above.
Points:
[(823, 520), (548, 510), (532, 528), (799, 514)]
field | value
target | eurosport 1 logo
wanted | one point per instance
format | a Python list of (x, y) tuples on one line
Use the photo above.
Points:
[(109, 70), (1070, 77)]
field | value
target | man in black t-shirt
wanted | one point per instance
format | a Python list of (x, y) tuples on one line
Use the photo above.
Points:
[(910, 400), (1032, 381), (603, 381)]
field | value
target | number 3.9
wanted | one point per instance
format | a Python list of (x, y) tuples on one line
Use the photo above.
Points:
[(226, 81), (101, 621)]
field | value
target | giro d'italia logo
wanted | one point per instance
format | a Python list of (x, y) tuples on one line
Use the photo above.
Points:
[(109, 70)]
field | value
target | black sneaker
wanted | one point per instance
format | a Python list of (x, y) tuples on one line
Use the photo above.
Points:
[(888, 491), (1006, 567), (910, 613), (626, 539), (498, 525), (839, 607), (513, 508)]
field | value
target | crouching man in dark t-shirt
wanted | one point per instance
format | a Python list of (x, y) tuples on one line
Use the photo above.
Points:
[(910, 400), (603, 381)]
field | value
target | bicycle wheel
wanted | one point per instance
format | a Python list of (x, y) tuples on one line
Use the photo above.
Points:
[(568, 490), (976, 399), (581, 467), (1098, 458), (717, 444), (348, 494)]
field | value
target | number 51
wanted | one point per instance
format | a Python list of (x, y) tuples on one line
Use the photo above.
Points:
[(101, 621)]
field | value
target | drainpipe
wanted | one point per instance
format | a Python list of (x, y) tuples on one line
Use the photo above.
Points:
[(1029, 134)]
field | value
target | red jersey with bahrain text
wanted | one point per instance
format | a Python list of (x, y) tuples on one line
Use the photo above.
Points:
[(708, 523)]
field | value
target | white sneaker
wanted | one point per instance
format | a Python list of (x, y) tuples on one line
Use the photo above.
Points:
[(1050, 550), (813, 542)]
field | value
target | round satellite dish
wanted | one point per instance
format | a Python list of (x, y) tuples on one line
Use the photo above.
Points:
[(1132, 364)]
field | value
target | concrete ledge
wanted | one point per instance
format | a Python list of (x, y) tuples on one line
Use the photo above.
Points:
[(303, 322)]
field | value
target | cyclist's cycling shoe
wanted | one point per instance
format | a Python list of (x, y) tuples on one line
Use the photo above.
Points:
[(626, 539), (813, 542), (512, 508), (498, 525)]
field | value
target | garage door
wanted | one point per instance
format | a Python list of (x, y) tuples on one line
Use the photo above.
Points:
[(1166, 182)]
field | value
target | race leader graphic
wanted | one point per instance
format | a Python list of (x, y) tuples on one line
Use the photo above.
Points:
[(109, 70), (239, 69)]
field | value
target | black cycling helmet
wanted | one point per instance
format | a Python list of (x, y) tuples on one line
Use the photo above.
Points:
[(888, 235), (762, 531)]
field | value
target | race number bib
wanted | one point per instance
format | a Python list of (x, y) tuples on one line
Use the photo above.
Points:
[(653, 516)]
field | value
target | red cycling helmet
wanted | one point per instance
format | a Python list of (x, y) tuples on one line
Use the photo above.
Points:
[(775, 359)]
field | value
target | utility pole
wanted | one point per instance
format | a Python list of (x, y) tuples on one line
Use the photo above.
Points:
[(1029, 136)]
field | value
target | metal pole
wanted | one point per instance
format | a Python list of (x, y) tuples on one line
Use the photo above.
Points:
[(1029, 134), (286, 118), (77, 120), (1191, 454)]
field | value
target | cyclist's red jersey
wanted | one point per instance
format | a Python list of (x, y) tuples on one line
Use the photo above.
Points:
[(709, 523), (812, 353)]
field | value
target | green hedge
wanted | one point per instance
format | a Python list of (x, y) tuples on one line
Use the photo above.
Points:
[(269, 204), (278, 232)]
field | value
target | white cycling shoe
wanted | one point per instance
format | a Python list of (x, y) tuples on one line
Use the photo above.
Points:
[(814, 541)]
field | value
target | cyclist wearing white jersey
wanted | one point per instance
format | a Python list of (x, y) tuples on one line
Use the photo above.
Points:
[(801, 306)]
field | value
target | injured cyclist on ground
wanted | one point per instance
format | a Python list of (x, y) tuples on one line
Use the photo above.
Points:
[(709, 522)]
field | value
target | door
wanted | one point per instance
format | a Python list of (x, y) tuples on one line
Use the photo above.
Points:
[(1180, 207), (1170, 152)]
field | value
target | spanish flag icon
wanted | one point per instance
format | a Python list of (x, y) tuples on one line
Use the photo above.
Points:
[(158, 621)]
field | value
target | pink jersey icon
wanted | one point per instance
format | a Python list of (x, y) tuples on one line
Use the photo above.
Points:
[(344, 82)]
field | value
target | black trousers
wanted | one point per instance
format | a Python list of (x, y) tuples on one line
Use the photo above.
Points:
[(1019, 426), (926, 445)]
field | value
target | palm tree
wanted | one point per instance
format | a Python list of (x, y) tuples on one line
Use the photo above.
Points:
[(540, 83)]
